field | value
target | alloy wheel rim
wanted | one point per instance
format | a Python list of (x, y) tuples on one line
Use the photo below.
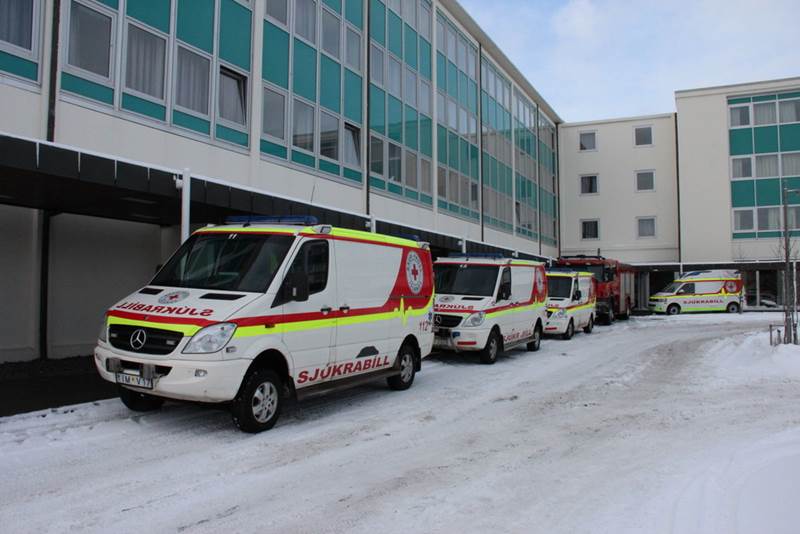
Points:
[(406, 368), (265, 402)]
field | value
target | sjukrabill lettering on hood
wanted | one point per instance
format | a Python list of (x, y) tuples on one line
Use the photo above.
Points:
[(169, 310), (342, 369)]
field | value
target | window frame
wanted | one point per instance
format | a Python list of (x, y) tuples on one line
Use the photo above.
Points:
[(752, 167), (787, 100), (168, 60), (754, 215), (655, 227), (596, 184), (174, 96), (750, 120), (34, 53), (580, 229), (636, 181), (265, 85), (221, 64), (580, 133), (68, 67), (652, 136)]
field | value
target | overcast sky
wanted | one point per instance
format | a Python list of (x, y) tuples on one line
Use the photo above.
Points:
[(596, 59)]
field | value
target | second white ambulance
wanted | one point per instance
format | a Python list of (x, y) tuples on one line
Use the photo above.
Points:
[(252, 313), (489, 305), (570, 303), (700, 291)]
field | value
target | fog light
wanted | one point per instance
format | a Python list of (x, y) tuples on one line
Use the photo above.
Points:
[(200, 373)]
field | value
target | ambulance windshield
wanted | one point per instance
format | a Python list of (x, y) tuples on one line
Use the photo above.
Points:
[(464, 279), (226, 261), (672, 287), (559, 287)]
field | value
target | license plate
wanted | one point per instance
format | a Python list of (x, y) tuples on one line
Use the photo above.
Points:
[(133, 380)]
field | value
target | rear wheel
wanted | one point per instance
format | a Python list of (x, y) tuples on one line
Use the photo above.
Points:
[(673, 309), (139, 402), (492, 349), (535, 343), (405, 378), (589, 326), (570, 330), (733, 307), (258, 405), (610, 318)]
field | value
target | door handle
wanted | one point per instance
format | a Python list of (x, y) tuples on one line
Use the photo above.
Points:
[(344, 308), (326, 309)]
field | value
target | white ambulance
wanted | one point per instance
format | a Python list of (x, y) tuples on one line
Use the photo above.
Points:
[(488, 305), (252, 313), (571, 301), (700, 291)]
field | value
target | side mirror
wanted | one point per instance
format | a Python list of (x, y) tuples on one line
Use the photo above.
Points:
[(299, 287), (577, 295), (505, 292)]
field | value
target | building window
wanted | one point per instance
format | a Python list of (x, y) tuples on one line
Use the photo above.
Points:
[(16, 23), (646, 226), (303, 126), (277, 10), (793, 217), (742, 167), (191, 86), (395, 163), (790, 111), (765, 113), (376, 156), (331, 33), (144, 65), (305, 19), (353, 50), (424, 97), (742, 220), (425, 21), (411, 169), (589, 184), (425, 176), (643, 136), (740, 116), (232, 96), (376, 65), (645, 181), (394, 77), (352, 146), (769, 219), (441, 183), (328, 136), (274, 114), (411, 88), (767, 166), (791, 164), (588, 141), (590, 229), (90, 40)]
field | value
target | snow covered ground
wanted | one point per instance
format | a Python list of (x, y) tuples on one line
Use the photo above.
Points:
[(679, 424)]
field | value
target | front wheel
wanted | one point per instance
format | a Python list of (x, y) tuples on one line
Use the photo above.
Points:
[(139, 402), (673, 309), (733, 307), (491, 350), (535, 343), (405, 378), (570, 330), (610, 318), (258, 405), (589, 326)]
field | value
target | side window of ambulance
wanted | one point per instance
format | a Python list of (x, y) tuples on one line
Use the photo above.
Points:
[(686, 289), (314, 256), (504, 292)]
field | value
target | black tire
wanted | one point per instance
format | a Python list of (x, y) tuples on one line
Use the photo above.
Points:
[(139, 402), (589, 327), (673, 309), (536, 343), (733, 307), (610, 318), (492, 349), (258, 405), (570, 331), (404, 379)]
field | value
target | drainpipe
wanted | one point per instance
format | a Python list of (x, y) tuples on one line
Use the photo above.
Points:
[(53, 68)]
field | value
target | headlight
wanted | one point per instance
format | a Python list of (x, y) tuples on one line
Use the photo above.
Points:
[(210, 339), (476, 319), (103, 335), (560, 313)]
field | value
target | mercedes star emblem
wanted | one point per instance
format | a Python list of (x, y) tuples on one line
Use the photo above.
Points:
[(138, 339)]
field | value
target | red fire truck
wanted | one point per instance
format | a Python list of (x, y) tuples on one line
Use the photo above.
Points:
[(615, 283)]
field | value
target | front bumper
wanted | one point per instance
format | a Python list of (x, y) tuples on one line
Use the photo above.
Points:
[(556, 325), (220, 382), (460, 339), (657, 306)]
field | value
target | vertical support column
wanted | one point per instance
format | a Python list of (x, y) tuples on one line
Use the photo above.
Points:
[(758, 288), (186, 204), (44, 278)]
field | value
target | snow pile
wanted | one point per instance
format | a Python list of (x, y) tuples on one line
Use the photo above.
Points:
[(750, 357)]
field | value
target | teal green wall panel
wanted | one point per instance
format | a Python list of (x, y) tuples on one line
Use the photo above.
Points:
[(377, 109), (336, 5), (410, 49), (743, 194), (235, 33), (472, 97), (741, 141), (114, 4), (452, 79), (303, 159), (744, 100), (191, 122), (275, 56), (395, 115), (195, 23), (792, 183), (790, 137), (79, 86), (377, 183), (18, 66), (354, 12), (473, 161), (765, 139), (425, 67), (441, 71), (394, 34), (411, 128), (426, 135), (788, 95), (463, 90), (463, 156), (351, 174), (352, 96), (764, 98), (330, 168), (377, 21), (441, 142), (305, 71), (768, 192), (330, 83), (452, 150), (156, 13), (143, 107), (231, 135), (273, 149), (394, 188), (745, 235)]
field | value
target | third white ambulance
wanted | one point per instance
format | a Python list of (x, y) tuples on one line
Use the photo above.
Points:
[(488, 304), (570, 303), (700, 291)]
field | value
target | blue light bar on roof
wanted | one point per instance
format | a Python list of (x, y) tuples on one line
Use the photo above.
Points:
[(494, 255), (300, 220)]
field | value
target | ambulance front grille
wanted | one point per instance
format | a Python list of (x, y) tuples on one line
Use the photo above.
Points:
[(153, 340), (447, 321)]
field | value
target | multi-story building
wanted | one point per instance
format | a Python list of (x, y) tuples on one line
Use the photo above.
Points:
[(125, 122)]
